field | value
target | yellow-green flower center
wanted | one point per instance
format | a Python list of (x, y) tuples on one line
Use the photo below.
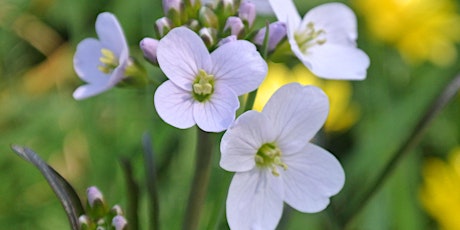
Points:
[(109, 61), (203, 86), (269, 156), (309, 37)]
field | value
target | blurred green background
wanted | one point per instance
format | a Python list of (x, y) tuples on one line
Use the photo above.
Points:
[(412, 59)]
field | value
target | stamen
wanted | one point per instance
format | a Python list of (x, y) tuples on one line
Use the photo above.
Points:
[(269, 156), (309, 37), (109, 61), (203, 86)]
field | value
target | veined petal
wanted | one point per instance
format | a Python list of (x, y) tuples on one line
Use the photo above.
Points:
[(243, 139), (181, 54), (86, 62), (118, 73), (340, 62), (313, 175), (111, 35), (297, 113), (174, 105), (89, 90), (286, 12), (337, 20), (239, 66), (218, 113), (254, 201)]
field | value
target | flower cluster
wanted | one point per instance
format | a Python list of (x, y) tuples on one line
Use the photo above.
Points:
[(98, 216), (211, 54)]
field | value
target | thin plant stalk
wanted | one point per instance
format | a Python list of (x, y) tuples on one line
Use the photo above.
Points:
[(412, 140), (204, 150)]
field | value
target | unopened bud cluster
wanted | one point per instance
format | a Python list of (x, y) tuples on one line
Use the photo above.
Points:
[(216, 22), (98, 216)]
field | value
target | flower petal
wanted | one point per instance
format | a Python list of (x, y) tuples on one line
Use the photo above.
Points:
[(286, 12), (332, 61), (181, 54), (313, 175), (218, 113), (239, 66), (297, 113), (89, 90), (254, 200), (337, 20), (86, 62), (242, 140), (174, 105), (111, 35)]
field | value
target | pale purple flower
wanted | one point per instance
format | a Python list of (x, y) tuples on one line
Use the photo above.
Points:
[(101, 63), (325, 39), (275, 163), (276, 32), (203, 88)]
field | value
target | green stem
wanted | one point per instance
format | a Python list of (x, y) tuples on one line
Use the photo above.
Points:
[(412, 140), (200, 180), (151, 182), (250, 100), (133, 194)]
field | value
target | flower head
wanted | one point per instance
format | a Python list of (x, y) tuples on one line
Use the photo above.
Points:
[(273, 161), (101, 63), (324, 40), (203, 88), (420, 30), (440, 192)]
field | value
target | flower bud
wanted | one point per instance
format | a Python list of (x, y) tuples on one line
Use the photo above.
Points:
[(208, 18), (247, 13), (194, 25), (97, 206), (172, 5), (235, 25), (84, 222), (149, 49), (226, 40), (277, 31), (94, 196), (116, 210), (163, 26), (227, 7), (208, 35), (119, 223)]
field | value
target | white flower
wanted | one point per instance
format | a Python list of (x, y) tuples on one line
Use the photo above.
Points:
[(325, 39), (101, 63), (203, 88), (274, 162)]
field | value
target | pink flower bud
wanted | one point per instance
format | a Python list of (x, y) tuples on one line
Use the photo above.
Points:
[(247, 12), (277, 31), (235, 25), (149, 49)]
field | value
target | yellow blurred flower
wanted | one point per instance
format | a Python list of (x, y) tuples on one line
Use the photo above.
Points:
[(342, 114), (440, 192), (419, 29)]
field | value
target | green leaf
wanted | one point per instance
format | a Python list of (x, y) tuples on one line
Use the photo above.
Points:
[(64, 191)]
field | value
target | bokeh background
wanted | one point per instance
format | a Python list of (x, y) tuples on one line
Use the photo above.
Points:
[(413, 47)]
